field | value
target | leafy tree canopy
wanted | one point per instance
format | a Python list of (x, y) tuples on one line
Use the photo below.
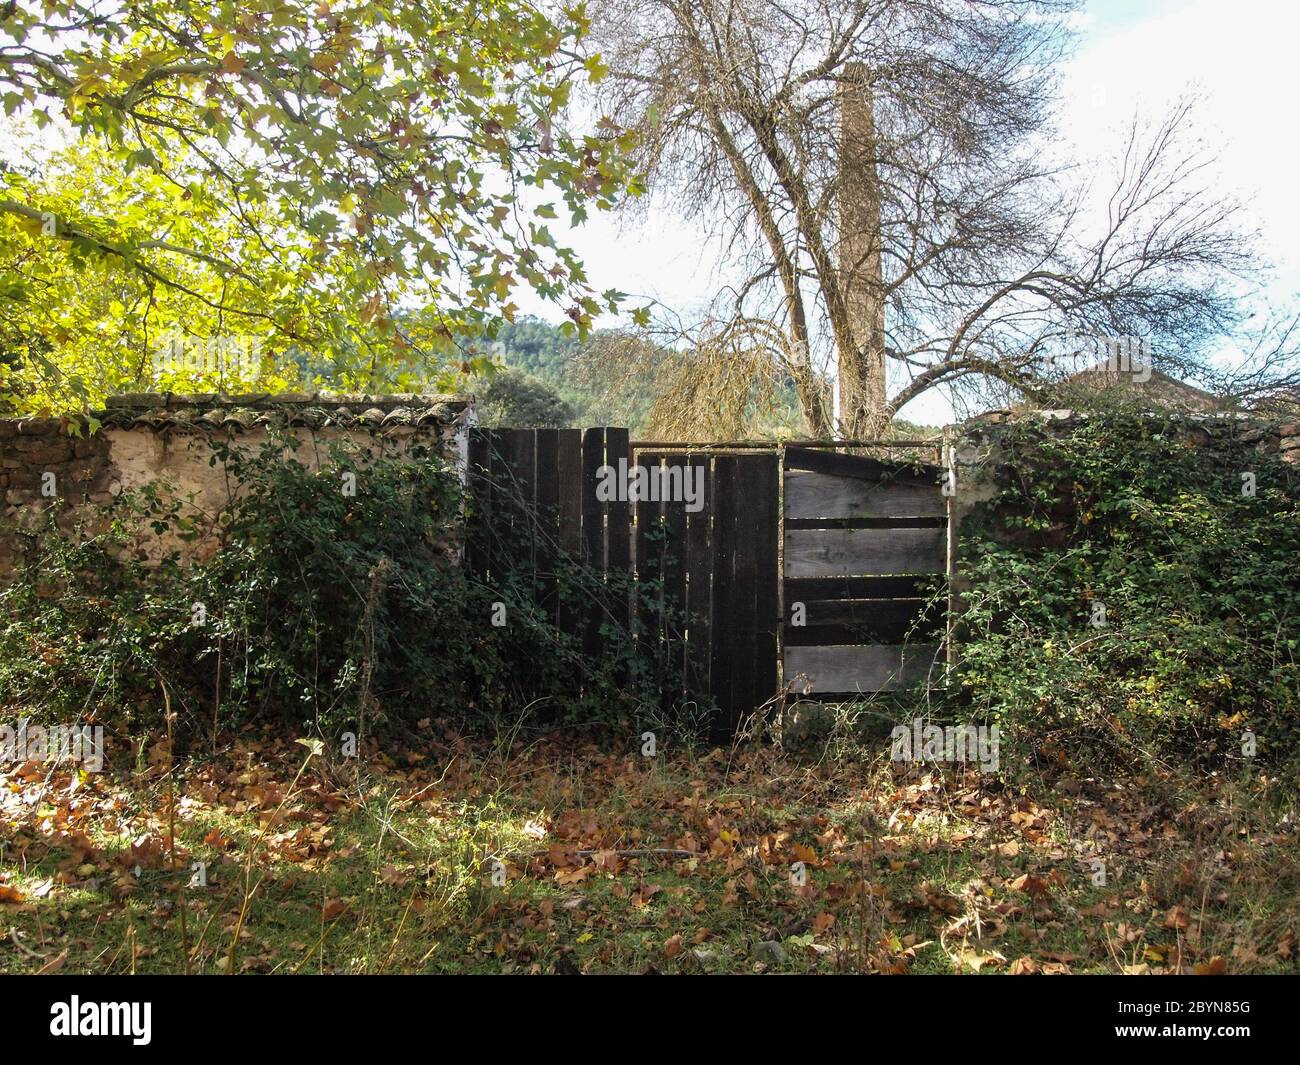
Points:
[(519, 400), (289, 172)]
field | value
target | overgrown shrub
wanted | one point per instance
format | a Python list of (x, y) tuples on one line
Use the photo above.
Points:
[(1129, 601), (323, 609)]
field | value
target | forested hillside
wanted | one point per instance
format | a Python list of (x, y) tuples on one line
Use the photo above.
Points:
[(603, 386)]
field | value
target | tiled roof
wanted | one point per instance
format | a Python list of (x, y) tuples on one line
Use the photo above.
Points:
[(166, 410)]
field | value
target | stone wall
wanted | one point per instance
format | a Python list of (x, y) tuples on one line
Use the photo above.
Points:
[(974, 453), (168, 439)]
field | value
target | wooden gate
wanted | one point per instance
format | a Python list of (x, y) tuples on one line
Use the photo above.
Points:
[(704, 568), (864, 543), (703, 557)]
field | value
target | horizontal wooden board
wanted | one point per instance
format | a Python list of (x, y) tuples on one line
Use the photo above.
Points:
[(809, 589), (867, 523), (861, 467), (874, 668), (863, 621), (854, 552), (821, 495)]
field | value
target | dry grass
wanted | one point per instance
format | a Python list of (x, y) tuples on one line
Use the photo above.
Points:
[(617, 863)]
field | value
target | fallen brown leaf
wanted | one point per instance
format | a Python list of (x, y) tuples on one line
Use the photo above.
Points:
[(333, 909)]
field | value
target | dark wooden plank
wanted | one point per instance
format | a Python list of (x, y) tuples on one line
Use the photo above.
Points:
[(742, 619), (882, 613), (478, 480), (874, 668), (524, 471), (511, 481), (767, 517), (861, 467), (593, 533), (547, 516), (677, 471), (724, 627), (618, 540), (568, 475), (808, 589), (618, 536), (867, 523), (568, 462), (820, 495), (854, 552), (525, 468), (649, 561), (504, 537), (593, 510), (699, 585), (838, 635)]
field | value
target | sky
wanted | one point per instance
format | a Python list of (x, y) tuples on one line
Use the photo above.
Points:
[(1133, 56)]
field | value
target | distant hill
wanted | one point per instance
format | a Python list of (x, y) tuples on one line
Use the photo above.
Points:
[(601, 392), (598, 395), (543, 351)]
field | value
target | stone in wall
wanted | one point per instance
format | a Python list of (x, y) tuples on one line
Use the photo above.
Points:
[(168, 439)]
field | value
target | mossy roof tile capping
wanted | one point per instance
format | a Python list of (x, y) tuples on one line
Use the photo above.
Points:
[(161, 411)]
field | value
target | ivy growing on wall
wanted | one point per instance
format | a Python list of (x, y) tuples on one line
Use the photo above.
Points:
[(336, 602), (1133, 594)]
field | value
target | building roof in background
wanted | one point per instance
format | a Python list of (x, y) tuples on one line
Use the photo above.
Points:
[(1149, 384), (1285, 402)]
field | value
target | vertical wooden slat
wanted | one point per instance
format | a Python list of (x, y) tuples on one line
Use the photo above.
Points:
[(699, 585), (593, 532), (525, 481), (505, 487), (593, 510), (569, 482), (618, 536), (674, 575), (743, 600), (547, 517), (724, 622), (478, 476), (649, 561), (766, 518)]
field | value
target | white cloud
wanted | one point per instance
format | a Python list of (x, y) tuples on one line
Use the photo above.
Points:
[(1239, 59)]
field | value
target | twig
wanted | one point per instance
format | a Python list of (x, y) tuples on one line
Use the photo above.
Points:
[(26, 951), (646, 852), (169, 717)]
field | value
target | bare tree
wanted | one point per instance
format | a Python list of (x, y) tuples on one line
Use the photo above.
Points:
[(884, 172)]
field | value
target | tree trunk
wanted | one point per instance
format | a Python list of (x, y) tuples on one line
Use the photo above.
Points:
[(861, 362)]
